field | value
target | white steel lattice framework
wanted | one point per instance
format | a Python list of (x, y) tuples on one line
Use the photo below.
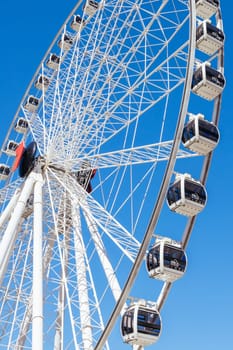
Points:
[(115, 105)]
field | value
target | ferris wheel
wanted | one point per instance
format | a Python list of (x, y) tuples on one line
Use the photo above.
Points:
[(101, 148)]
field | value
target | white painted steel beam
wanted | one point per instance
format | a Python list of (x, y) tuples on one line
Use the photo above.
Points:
[(106, 264), (81, 269), (37, 289), (10, 235), (9, 208)]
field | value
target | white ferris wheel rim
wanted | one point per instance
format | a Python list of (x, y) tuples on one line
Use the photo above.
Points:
[(129, 156)]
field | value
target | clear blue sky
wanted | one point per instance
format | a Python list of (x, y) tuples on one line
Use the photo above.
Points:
[(198, 313)]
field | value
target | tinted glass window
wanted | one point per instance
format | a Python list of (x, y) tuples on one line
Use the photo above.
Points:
[(174, 258), (33, 101), (214, 76), (83, 177), (197, 77), (153, 259), (55, 58), (94, 4), (148, 322), (214, 32), (4, 170), (127, 322), (188, 132), (174, 193), (208, 130), (195, 192), (212, 2), (200, 31), (22, 122)]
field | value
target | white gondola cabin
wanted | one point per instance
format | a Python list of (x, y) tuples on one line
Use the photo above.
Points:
[(209, 38), (77, 23), (140, 325), (11, 148), (207, 82), (4, 171), (206, 8), (32, 104), (21, 125), (53, 61), (42, 82), (186, 196), (200, 135), (166, 261), (65, 42), (91, 7)]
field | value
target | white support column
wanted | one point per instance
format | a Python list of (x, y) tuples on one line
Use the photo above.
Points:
[(59, 338), (10, 235), (138, 347), (37, 289), (25, 324), (107, 267), (82, 282)]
